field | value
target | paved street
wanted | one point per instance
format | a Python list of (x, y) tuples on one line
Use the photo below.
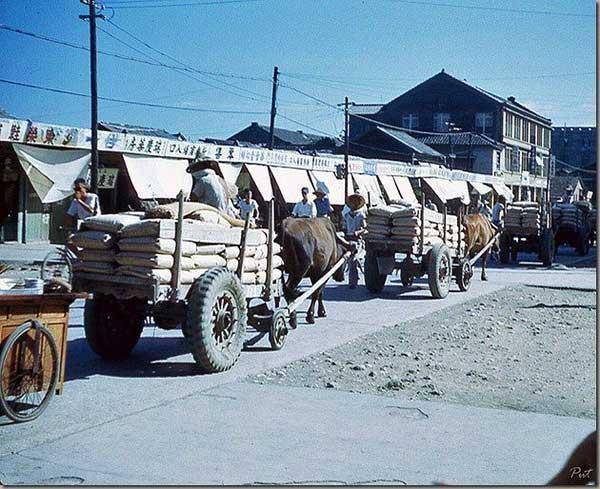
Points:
[(187, 428)]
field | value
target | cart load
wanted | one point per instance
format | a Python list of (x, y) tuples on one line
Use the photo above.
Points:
[(433, 244), (132, 246), (523, 218), (567, 216), (399, 225), (571, 225)]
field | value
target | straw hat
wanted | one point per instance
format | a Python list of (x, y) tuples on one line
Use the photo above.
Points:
[(355, 201)]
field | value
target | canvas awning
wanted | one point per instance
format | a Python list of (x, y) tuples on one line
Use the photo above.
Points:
[(52, 171), (158, 178), (447, 190), (368, 185), (502, 189), (388, 184), (405, 188), (290, 182), (335, 186), (261, 178), (230, 171), (480, 188)]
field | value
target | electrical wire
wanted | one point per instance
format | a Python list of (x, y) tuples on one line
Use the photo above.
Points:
[(149, 4), (131, 102), (306, 126)]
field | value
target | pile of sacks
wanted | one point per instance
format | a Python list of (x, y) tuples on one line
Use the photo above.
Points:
[(566, 216), (400, 224), (129, 244), (523, 217)]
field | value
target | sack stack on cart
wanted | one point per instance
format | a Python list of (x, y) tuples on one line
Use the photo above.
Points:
[(132, 246), (523, 218), (566, 216), (401, 225)]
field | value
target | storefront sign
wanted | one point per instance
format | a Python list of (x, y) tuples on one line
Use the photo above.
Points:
[(147, 145), (107, 177), (13, 130), (182, 149), (52, 135)]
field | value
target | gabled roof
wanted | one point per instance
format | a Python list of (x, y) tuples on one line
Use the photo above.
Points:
[(365, 109), (508, 102), (412, 143), (293, 138), (459, 139), (559, 183), (140, 130)]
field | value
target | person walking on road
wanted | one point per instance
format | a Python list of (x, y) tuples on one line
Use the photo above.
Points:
[(355, 228), (305, 208)]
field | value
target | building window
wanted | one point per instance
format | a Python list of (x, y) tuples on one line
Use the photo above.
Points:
[(518, 124), (441, 121), (484, 122), (524, 160), (410, 121), (508, 129), (508, 159), (538, 136), (532, 127), (525, 135)]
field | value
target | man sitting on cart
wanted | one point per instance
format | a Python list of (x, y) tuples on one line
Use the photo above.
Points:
[(84, 204), (355, 228), (305, 207)]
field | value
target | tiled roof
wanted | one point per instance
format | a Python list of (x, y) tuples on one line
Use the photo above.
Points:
[(293, 138), (414, 144), (458, 139), (141, 130)]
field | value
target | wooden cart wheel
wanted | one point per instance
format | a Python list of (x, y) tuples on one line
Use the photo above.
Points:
[(464, 275), (113, 327), (439, 271), (279, 330), (29, 367), (374, 280), (216, 320)]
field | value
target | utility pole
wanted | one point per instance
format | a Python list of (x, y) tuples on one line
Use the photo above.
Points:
[(346, 146), (92, 16), (273, 107)]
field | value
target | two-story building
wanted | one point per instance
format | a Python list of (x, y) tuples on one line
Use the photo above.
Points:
[(444, 104)]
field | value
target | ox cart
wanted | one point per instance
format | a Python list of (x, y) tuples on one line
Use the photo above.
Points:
[(441, 261), (33, 345), (527, 229)]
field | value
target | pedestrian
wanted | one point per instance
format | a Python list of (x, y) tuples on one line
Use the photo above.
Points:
[(355, 228), (248, 206), (84, 204), (304, 208), (322, 203), (498, 212)]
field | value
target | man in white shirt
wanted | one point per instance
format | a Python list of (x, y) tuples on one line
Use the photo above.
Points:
[(305, 208), (498, 213), (84, 204), (355, 228), (248, 206)]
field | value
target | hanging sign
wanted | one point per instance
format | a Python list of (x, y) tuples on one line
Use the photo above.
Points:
[(52, 135), (107, 177), (13, 130)]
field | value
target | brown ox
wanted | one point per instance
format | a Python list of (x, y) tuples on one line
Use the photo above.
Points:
[(310, 248), (580, 468), (479, 232)]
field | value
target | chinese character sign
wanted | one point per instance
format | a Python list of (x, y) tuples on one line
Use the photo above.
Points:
[(107, 177)]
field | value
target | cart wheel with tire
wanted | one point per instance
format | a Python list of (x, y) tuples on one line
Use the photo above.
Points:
[(464, 274), (374, 279), (439, 271), (546, 244), (505, 241)]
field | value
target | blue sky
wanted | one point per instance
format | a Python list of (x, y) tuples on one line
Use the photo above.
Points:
[(370, 50)]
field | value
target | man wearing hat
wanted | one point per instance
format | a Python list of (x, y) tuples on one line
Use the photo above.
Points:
[(209, 188), (304, 208), (354, 221), (322, 203)]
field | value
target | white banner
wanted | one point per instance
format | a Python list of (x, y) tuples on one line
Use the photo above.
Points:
[(52, 135), (13, 130)]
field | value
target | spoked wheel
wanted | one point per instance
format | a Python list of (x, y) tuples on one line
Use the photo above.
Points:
[(464, 275), (279, 330), (439, 271), (374, 280), (216, 320), (29, 367), (57, 265)]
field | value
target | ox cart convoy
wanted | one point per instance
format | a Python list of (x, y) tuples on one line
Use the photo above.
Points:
[(571, 226)]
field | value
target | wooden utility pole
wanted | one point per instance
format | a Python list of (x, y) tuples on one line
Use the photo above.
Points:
[(273, 107), (92, 16), (346, 146)]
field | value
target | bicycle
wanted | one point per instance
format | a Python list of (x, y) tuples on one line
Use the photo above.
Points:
[(58, 263)]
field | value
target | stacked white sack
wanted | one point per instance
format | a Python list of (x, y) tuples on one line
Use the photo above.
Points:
[(523, 218)]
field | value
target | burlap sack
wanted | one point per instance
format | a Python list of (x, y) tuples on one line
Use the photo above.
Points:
[(208, 261), (378, 220), (162, 274), (96, 240), (210, 249), (193, 210), (96, 255), (94, 267), (406, 221), (232, 252), (155, 245), (110, 223), (261, 277), (146, 227), (378, 229), (151, 260)]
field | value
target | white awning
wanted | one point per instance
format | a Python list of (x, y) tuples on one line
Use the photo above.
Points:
[(447, 190), (368, 185), (290, 182), (261, 178), (334, 185), (405, 188), (480, 188), (230, 171), (502, 189), (158, 178), (388, 184), (52, 171)]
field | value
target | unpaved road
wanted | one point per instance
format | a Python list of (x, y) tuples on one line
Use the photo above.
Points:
[(527, 348)]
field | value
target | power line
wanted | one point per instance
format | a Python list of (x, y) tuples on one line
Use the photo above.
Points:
[(495, 9), (316, 99), (307, 126), (131, 102), (187, 4)]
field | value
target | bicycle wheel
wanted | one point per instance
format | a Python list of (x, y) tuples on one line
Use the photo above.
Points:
[(28, 372), (58, 265)]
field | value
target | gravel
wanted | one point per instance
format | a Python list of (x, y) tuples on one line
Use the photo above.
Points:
[(524, 347)]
